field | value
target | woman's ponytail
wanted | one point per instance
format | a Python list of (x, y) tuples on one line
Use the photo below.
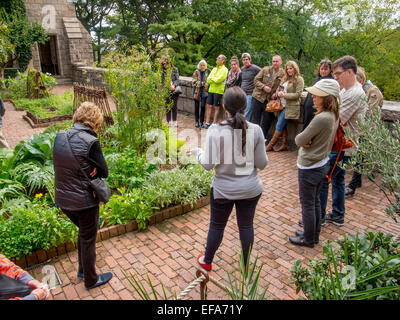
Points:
[(235, 102)]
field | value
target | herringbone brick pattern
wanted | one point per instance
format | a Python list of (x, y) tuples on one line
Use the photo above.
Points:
[(166, 252)]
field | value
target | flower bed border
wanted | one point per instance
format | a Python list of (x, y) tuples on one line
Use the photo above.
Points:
[(36, 122), (41, 255)]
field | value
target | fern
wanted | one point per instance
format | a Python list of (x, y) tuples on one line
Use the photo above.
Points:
[(35, 177)]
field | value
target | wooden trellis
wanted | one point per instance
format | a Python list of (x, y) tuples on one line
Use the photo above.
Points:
[(98, 96)]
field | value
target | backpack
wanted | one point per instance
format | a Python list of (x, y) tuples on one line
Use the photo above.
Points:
[(339, 143)]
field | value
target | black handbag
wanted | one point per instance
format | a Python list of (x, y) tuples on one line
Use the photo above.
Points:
[(11, 288), (100, 188)]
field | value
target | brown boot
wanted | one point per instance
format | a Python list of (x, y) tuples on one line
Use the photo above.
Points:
[(283, 146), (275, 137)]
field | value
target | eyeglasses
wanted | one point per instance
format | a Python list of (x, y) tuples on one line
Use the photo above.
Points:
[(338, 74)]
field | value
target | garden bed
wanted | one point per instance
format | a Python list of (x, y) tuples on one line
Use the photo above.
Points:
[(40, 256), (36, 122)]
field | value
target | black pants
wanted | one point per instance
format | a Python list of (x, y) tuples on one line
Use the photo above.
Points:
[(200, 109), (87, 222), (174, 109), (220, 211), (260, 116), (310, 184)]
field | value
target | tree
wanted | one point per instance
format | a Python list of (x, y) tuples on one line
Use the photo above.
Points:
[(7, 49), (22, 34), (92, 14), (378, 156)]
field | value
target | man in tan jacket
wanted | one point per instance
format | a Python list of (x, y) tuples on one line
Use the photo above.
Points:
[(265, 84)]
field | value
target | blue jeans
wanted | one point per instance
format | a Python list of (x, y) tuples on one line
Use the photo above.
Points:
[(248, 108), (282, 122), (338, 186)]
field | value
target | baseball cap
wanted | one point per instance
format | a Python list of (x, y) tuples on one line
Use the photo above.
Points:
[(325, 87)]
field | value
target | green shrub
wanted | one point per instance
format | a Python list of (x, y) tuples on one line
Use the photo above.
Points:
[(127, 168), (356, 268), (178, 186), (17, 87), (54, 105), (127, 206), (33, 228)]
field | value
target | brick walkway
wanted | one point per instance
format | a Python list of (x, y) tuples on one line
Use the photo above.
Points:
[(167, 251)]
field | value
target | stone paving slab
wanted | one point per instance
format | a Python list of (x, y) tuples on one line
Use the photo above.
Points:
[(167, 251)]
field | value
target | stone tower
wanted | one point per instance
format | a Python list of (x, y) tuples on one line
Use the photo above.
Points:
[(70, 45)]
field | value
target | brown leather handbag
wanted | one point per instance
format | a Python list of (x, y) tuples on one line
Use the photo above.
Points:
[(274, 106)]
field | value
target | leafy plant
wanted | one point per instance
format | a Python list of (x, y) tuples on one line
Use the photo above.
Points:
[(127, 168), (36, 177), (378, 155), (178, 185), (137, 87), (138, 285), (34, 227), (39, 147), (246, 285), (358, 268), (127, 206), (51, 106), (17, 87)]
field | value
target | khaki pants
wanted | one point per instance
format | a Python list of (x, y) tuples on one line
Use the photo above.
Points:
[(3, 142)]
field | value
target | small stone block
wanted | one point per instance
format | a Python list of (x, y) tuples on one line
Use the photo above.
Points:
[(172, 212), (159, 216), (152, 219), (179, 210), (105, 234), (31, 259), (41, 255), (21, 262), (121, 229), (69, 246), (113, 231), (52, 252), (61, 249), (131, 226), (166, 213)]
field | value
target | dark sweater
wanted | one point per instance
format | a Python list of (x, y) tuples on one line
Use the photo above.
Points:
[(248, 75)]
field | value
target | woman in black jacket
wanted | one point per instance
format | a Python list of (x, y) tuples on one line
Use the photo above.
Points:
[(324, 72), (234, 78), (73, 193)]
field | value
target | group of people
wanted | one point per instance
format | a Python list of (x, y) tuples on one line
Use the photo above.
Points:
[(340, 93)]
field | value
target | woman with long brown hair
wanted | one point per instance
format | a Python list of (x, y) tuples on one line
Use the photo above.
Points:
[(236, 149), (315, 144), (289, 91)]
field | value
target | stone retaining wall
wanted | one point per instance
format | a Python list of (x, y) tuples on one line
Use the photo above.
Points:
[(94, 77)]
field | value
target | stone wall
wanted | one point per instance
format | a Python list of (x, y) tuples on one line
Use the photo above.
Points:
[(72, 47), (94, 77), (88, 75)]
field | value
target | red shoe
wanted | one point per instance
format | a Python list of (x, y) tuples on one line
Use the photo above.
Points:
[(207, 267)]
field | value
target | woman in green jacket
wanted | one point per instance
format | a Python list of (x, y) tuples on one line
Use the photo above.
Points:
[(291, 87), (216, 89)]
